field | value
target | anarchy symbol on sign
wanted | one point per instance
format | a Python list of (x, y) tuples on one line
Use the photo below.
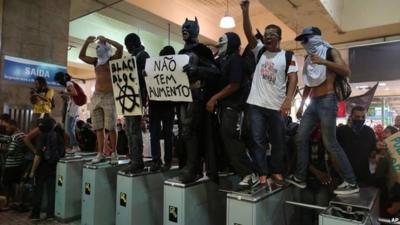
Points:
[(127, 97)]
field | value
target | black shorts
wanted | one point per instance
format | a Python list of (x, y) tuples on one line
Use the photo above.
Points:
[(12, 175)]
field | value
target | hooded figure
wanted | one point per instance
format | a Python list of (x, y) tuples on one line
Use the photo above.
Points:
[(133, 44), (103, 52)]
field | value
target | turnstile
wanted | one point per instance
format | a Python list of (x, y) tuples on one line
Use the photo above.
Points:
[(139, 197), (266, 207), (98, 192), (198, 203), (68, 184), (356, 209)]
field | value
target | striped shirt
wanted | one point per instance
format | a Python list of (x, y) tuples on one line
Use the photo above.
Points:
[(16, 149)]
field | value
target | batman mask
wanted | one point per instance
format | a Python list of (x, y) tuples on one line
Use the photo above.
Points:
[(190, 31)]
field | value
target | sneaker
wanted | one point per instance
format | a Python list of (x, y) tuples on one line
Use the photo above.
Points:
[(156, 165), (346, 189), (114, 158), (34, 217), (188, 177), (250, 180), (296, 182), (99, 158)]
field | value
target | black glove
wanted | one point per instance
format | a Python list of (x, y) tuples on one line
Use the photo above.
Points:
[(191, 71)]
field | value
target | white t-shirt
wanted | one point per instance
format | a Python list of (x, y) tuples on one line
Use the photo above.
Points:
[(268, 89), (72, 109)]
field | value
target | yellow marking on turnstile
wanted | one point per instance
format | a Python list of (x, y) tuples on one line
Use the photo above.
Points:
[(123, 198), (87, 188), (60, 180)]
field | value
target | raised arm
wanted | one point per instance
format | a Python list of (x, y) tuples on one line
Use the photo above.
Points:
[(247, 24), (118, 46), (82, 54)]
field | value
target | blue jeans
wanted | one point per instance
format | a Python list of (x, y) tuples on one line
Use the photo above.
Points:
[(267, 124), (321, 110), (70, 123)]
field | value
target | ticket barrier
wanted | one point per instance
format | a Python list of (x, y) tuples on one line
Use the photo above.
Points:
[(140, 197), (99, 192), (264, 206), (68, 184), (355, 209), (197, 203)]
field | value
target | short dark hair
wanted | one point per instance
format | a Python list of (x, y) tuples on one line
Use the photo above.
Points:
[(12, 123), (5, 117), (41, 80), (167, 50), (61, 78), (357, 108), (276, 27), (392, 129)]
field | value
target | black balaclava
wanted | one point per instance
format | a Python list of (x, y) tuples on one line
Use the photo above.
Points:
[(192, 27), (133, 40), (46, 124), (229, 43)]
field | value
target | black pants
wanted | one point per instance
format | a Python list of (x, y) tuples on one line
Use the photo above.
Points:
[(192, 117), (45, 177), (161, 114), (235, 148)]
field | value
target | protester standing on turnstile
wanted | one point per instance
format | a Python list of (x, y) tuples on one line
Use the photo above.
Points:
[(72, 111), (132, 123), (161, 112), (322, 66), (202, 73), (230, 103), (270, 99), (103, 111)]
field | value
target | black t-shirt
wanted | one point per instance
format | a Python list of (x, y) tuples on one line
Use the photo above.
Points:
[(358, 148), (141, 64), (233, 71)]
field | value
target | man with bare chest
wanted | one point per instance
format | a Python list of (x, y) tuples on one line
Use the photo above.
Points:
[(103, 112), (321, 66)]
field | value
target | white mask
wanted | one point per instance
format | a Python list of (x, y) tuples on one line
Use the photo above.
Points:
[(222, 45), (103, 52)]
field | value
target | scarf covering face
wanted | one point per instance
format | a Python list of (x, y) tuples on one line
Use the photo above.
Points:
[(314, 74), (103, 52)]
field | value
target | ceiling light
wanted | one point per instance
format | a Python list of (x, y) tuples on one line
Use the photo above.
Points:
[(227, 21)]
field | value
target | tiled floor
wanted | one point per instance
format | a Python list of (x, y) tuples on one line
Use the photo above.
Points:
[(14, 218)]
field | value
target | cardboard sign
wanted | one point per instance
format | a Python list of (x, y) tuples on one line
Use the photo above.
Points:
[(126, 88), (165, 80), (393, 145)]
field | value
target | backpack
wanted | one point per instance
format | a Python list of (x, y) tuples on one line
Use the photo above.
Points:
[(342, 86), (288, 59), (81, 98), (52, 144)]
